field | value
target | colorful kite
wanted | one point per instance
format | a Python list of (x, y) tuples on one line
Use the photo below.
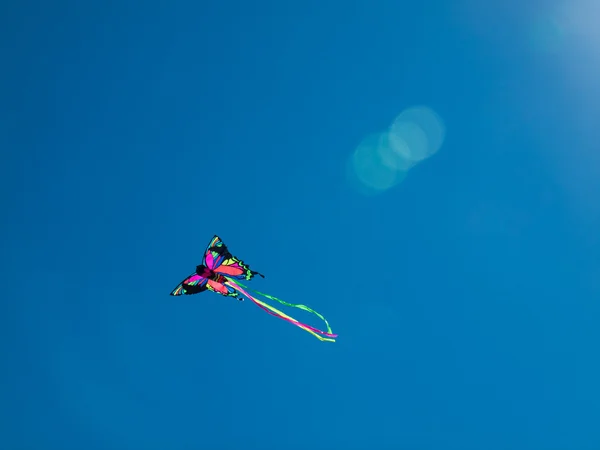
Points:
[(221, 272)]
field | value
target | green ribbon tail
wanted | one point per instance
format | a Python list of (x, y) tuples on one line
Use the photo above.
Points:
[(292, 305)]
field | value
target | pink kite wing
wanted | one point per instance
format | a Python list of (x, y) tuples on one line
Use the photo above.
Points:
[(219, 259), (191, 285), (215, 253), (231, 268), (218, 286)]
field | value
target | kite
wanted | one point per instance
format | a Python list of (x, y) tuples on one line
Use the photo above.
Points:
[(221, 272)]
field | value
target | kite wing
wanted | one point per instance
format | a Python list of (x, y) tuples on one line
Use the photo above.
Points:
[(218, 285), (191, 285), (215, 253), (218, 259)]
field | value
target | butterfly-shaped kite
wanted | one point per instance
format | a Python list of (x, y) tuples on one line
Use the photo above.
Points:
[(221, 272), (217, 265)]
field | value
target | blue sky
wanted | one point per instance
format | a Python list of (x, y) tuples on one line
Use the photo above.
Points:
[(465, 297)]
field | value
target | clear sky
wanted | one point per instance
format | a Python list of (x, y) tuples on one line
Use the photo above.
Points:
[(466, 297)]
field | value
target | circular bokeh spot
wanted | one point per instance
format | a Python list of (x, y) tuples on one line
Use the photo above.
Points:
[(416, 134), (375, 166)]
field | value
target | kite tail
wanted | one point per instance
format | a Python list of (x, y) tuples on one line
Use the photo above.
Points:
[(275, 312)]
